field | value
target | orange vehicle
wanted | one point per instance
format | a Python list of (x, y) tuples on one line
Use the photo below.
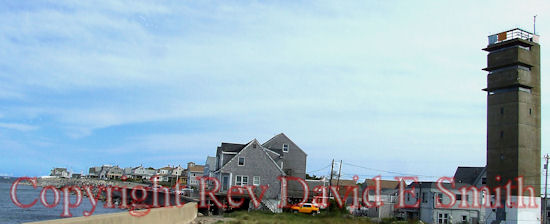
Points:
[(305, 208)]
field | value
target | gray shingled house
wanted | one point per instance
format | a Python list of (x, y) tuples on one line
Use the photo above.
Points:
[(259, 164)]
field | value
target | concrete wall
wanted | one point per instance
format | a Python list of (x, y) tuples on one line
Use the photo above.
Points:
[(172, 215), (513, 118)]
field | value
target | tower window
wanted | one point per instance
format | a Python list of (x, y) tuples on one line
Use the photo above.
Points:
[(501, 134), (529, 111), (502, 110)]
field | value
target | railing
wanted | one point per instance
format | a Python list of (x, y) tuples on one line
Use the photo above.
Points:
[(513, 34)]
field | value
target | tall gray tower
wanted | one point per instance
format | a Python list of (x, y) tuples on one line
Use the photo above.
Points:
[(513, 111)]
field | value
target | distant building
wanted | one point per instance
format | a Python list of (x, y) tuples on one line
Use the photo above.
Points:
[(427, 193), (60, 172), (163, 174), (93, 172), (114, 173), (127, 172), (388, 195), (176, 175), (209, 166), (194, 171), (104, 172)]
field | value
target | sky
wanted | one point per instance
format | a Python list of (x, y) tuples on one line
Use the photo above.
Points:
[(388, 87)]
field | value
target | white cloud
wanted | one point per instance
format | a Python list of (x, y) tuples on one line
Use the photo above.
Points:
[(18, 127), (403, 77)]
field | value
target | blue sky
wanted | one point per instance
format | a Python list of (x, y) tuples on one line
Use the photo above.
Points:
[(389, 85)]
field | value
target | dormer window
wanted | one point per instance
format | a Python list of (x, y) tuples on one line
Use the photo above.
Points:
[(241, 161), (285, 147)]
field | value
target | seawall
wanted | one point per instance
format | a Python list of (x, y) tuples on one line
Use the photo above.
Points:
[(168, 215)]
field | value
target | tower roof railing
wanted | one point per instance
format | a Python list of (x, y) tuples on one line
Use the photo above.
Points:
[(516, 33)]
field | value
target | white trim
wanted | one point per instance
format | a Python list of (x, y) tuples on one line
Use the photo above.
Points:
[(272, 151), (242, 180), (230, 153), (254, 180)]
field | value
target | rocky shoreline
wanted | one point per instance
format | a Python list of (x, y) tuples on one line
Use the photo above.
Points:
[(61, 182)]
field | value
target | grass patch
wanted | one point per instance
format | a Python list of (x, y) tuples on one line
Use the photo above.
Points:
[(258, 217)]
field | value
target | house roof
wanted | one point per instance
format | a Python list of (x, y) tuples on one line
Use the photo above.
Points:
[(196, 168), (343, 182), (433, 184), (254, 141), (384, 184), (231, 147), (268, 143), (166, 168), (314, 183), (467, 175)]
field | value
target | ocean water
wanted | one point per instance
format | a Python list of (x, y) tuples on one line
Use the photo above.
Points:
[(11, 214)]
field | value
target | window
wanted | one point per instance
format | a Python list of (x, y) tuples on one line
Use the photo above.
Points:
[(529, 111), (439, 198), (464, 218), (459, 197), (241, 180), (502, 110), (241, 161), (256, 181), (512, 67), (285, 147), (306, 206), (511, 89), (443, 218), (501, 134), (484, 180), (523, 89)]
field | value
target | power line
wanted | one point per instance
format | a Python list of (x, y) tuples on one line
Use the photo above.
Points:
[(327, 166), (388, 171)]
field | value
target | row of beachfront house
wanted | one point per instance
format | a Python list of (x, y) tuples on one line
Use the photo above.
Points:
[(171, 174), (255, 163)]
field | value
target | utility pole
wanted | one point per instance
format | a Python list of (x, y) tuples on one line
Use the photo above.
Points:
[(534, 22), (545, 189), (339, 171), (330, 181)]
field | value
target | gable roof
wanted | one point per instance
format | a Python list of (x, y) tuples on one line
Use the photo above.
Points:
[(263, 150), (231, 147), (384, 184), (268, 143), (343, 182), (467, 175), (166, 168), (196, 168)]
